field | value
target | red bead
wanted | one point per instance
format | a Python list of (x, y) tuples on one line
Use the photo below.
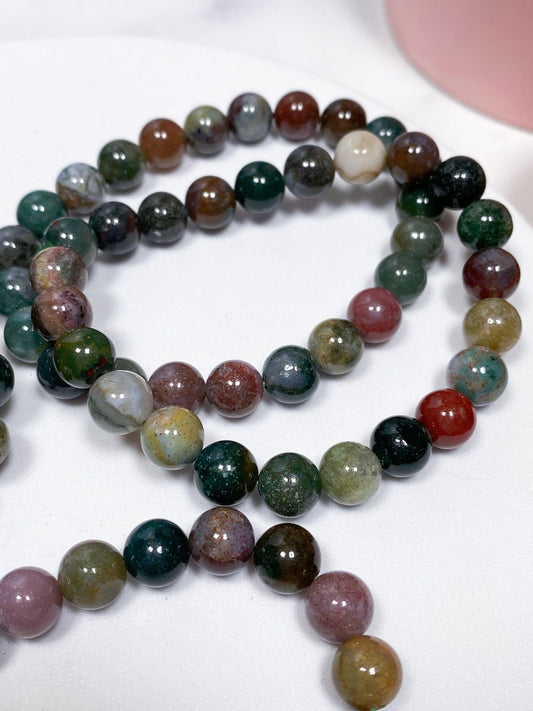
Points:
[(449, 417), (376, 313), (234, 388), (491, 272), (178, 384), (296, 116)]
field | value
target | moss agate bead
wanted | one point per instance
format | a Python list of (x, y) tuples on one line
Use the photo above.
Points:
[(51, 381), (291, 374), (206, 129), (222, 540), (30, 602), (172, 437), (7, 380), (163, 143), (38, 209), (411, 157), (402, 445), (336, 345), (350, 473), (419, 199), (259, 187), (74, 233), (339, 118), (57, 267), (21, 337), (250, 117), (122, 164), (116, 228), (478, 373), (156, 553), (210, 202), (120, 401), (493, 323), (418, 236), (81, 188), (57, 310), (296, 116), (5, 441), (225, 472), (403, 275), (162, 218), (309, 172), (386, 128), (178, 384), (458, 181), (17, 246), (359, 157), (289, 484), (82, 355), (16, 290), (484, 223), (234, 388)]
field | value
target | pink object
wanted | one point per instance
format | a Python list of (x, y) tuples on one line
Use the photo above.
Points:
[(376, 313), (481, 51), (30, 602)]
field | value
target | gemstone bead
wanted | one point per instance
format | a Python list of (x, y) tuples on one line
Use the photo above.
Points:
[(419, 199), (178, 384), (376, 314), (386, 128), (484, 223), (30, 602), (81, 188), (478, 373), (289, 484), (21, 337), (222, 540), (234, 388), (38, 209), (418, 236), (339, 606), (15, 289), (291, 374), (57, 267), (156, 553), (116, 228), (225, 472), (287, 558), (206, 129), (50, 379), (449, 417), (493, 323), (162, 218), (120, 401), (402, 445), (359, 157), (336, 345), (350, 473), (259, 187), (122, 164), (249, 117), (17, 246), (403, 275), (458, 181), (210, 202), (122, 363), (339, 118), (163, 144), (411, 157), (172, 437), (7, 380), (5, 441), (491, 272), (92, 575), (296, 116), (309, 171), (82, 355), (60, 309), (74, 233)]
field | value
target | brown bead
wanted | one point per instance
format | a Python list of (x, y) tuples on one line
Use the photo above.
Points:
[(210, 202), (412, 156), (234, 388), (163, 143), (492, 323), (339, 118), (296, 116), (178, 384), (57, 310)]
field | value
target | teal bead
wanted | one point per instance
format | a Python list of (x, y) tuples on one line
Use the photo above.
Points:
[(386, 128), (291, 374), (350, 473), (289, 484), (83, 355), (419, 199), (38, 209), (478, 373), (122, 164), (336, 345), (259, 187), (16, 290), (21, 338), (485, 223), (74, 233), (418, 236), (225, 472), (402, 275)]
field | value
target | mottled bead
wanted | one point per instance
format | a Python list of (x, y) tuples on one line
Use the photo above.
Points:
[(30, 602), (412, 156), (458, 181), (59, 309), (491, 272), (296, 116), (259, 187), (82, 355), (163, 143), (287, 558), (17, 246), (57, 267), (116, 228), (206, 129), (376, 314), (120, 401), (234, 388), (367, 673), (339, 118), (210, 202), (38, 209), (339, 606), (7, 380), (403, 275), (178, 384), (493, 323), (15, 289), (478, 373), (172, 437), (350, 473), (21, 337), (418, 236), (484, 223), (448, 416), (289, 484), (5, 441), (291, 374), (225, 472), (402, 445), (81, 188), (162, 218), (51, 381), (156, 553), (92, 575), (309, 171), (386, 128), (74, 233), (122, 363), (419, 199), (249, 117), (359, 157), (222, 540), (336, 345), (122, 164)]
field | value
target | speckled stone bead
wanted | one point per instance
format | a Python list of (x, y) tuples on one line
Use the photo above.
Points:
[(448, 416), (403, 275), (419, 199), (491, 272), (74, 233), (156, 553), (163, 143), (376, 314), (259, 187), (289, 484), (92, 575), (5, 441), (309, 172), (359, 157), (412, 156), (120, 401), (30, 602), (38, 209), (122, 164), (210, 202), (81, 188), (7, 380), (287, 558), (350, 473), (57, 267), (82, 355), (222, 540), (402, 445), (484, 223), (206, 129), (418, 236), (17, 246), (339, 606), (336, 345), (250, 117), (60, 309), (339, 118), (122, 363), (296, 116), (15, 289), (367, 673), (386, 128), (172, 437), (116, 228), (178, 384), (493, 323), (458, 181), (162, 218), (225, 472), (234, 388), (51, 381), (21, 337), (478, 373), (291, 374)]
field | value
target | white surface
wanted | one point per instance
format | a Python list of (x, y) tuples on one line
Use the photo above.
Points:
[(446, 554)]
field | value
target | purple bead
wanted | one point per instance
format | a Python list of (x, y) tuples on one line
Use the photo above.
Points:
[(491, 272), (178, 384), (221, 540), (30, 602), (339, 606)]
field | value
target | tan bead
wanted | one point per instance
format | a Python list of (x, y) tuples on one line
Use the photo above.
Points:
[(359, 157), (493, 323)]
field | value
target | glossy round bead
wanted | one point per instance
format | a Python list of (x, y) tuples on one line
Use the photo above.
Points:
[(225, 472), (309, 171), (491, 272), (163, 144), (92, 575), (376, 314), (359, 157), (15, 289), (418, 236), (156, 553), (402, 445), (120, 401), (38, 209), (222, 540), (493, 323), (448, 416), (17, 246), (74, 233), (234, 388), (178, 384), (7, 380), (249, 117), (122, 164), (50, 379), (60, 309), (259, 187), (458, 181), (30, 602), (162, 218), (403, 275), (82, 355), (57, 267), (339, 118), (122, 363), (367, 673), (484, 223), (339, 606), (5, 441), (289, 484), (21, 337), (291, 374), (81, 188), (287, 558), (210, 202), (350, 473), (336, 345), (296, 116), (172, 437), (386, 128), (412, 156), (478, 373), (116, 228), (206, 129), (418, 199)]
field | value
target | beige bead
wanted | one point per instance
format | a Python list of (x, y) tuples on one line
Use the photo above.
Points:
[(359, 157), (493, 323)]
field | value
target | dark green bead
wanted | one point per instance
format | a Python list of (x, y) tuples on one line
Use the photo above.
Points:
[(291, 374), (129, 364), (206, 129), (309, 171), (7, 379), (259, 187), (225, 472), (122, 164), (485, 223), (458, 181), (289, 484), (38, 209), (419, 199), (386, 128), (418, 236), (16, 290), (162, 218), (402, 445), (21, 338), (51, 381), (82, 355), (17, 246), (402, 275), (336, 345), (74, 233)]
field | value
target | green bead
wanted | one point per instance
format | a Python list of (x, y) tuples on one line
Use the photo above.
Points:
[(419, 199), (259, 187), (16, 290), (122, 164), (225, 472), (21, 338), (402, 275), (206, 129), (336, 345), (38, 209), (289, 484), (82, 355), (386, 128), (419, 237), (75, 234), (350, 473), (172, 437), (485, 223)]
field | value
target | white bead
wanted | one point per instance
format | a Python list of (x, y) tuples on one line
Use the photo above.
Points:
[(359, 157)]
